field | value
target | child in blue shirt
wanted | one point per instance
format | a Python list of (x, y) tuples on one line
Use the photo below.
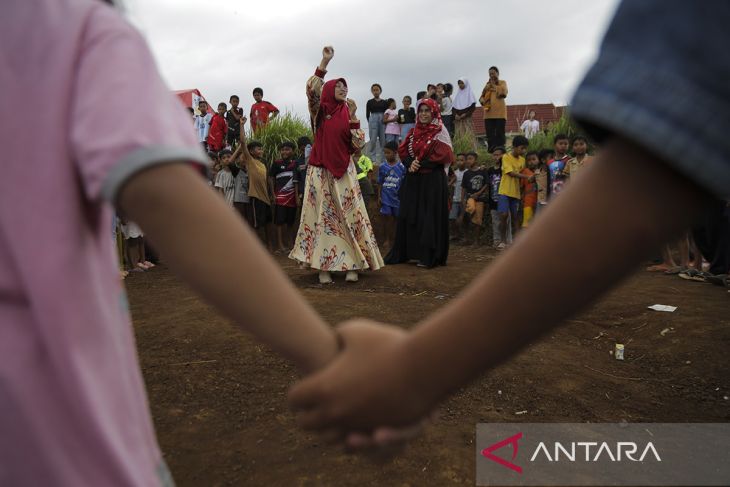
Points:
[(390, 176)]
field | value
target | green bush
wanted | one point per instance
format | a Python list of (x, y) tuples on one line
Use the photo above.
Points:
[(543, 140), (285, 127), (465, 143)]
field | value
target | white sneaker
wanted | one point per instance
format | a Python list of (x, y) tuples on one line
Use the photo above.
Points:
[(351, 276), (325, 277)]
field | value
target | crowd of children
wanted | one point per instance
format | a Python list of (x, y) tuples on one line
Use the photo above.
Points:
[(504, 196)]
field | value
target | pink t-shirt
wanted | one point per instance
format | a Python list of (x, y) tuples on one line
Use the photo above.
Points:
[(392, 128), (73, 408)]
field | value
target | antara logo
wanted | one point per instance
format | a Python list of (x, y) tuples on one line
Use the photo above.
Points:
[(512, 440), (592, 451)]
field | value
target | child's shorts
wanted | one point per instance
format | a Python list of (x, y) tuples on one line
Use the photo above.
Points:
[(261, 213), (285, 215), (477, 216), (455, 211), (507, 204), (245, 210), (389, 210)]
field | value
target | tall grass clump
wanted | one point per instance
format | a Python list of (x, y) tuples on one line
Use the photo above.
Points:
[(286, 126), (545, 140), (465, 143)]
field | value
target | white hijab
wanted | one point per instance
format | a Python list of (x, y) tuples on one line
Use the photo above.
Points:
[(464, 98)]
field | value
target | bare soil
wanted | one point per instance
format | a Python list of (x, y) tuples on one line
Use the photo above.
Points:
[(219, 399)]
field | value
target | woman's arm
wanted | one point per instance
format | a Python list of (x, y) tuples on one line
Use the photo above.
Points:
[(185, 220), (315, 83), (357, 135)]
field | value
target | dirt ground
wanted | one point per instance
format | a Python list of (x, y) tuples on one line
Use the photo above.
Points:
[(218, 398)]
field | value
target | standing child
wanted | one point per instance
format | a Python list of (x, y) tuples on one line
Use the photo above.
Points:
[(475, 193), (456, 208), (261, 111), (202, 123), (284, 182), (390, 177), (213, 167), (542, 178), (234, 119), (218, 129), (580, 157), (74, 407), (406, 117), (364, 166), (508, 204), (374, 113), (258, 191), (241, 200), (528, 188), (557, 165), (304, 145), (390, 118), (224, 181), (443, 96), (134, 245), (494, 178)]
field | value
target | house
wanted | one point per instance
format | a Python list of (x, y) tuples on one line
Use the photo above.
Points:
[(545, 113)]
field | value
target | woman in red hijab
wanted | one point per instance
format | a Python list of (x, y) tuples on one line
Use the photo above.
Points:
[(335, 233), (422, 233)]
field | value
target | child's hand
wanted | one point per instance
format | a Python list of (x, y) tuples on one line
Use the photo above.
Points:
[(365, 387), (328, 53)]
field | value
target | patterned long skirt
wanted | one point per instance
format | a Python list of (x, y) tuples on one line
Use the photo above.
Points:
[(335, 233)]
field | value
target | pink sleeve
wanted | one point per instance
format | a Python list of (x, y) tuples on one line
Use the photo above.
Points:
[(123, 118)]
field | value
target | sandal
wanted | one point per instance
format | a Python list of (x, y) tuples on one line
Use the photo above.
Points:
[(693, 275), (717, 279)]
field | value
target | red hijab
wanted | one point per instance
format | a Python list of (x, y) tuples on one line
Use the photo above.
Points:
[(332, 137), (423, 138)]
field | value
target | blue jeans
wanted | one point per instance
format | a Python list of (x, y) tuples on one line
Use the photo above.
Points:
[(405, 128), (376, 130), (391, 138)]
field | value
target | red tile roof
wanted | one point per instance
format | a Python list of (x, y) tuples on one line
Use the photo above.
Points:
[(516, 114)]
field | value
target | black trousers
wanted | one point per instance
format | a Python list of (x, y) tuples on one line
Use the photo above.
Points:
[(495, 132), (712, 237)]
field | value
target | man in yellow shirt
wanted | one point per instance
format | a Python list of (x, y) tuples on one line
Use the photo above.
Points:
[(495, 109), (508, 202)]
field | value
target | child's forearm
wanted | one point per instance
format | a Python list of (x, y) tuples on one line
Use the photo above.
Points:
[(205, 242), (607, 223)]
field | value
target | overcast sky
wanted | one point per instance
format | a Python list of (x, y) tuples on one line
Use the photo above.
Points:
[(224, 47)]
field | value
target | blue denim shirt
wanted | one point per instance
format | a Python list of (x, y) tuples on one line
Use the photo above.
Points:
[(662, 79)]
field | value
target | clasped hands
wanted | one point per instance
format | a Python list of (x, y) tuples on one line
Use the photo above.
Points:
[(365, 397)]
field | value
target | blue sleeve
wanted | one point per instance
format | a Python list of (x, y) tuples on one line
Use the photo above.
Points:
[(661, 80)]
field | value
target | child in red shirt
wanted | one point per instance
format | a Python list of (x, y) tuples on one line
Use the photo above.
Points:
[(218, 129), (262, 110)]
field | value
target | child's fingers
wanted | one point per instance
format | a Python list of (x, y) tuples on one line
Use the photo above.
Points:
[(305, 394), (358, 441), (313, 419)]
